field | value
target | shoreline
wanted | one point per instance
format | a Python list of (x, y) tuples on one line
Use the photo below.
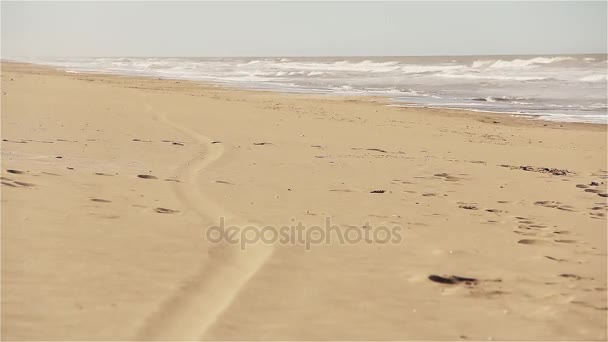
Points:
[(381, 98), (111, 183), (507, 118)]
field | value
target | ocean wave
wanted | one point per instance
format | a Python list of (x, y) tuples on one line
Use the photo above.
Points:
[(550, 84), (427, 69), (364, 66), (509, 99), (477, 76), (518, 63), (594, 78)]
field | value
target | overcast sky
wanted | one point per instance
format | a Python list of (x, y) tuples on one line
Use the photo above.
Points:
[(44, 29)]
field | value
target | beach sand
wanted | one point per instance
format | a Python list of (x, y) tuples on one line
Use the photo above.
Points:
[(110, 183)]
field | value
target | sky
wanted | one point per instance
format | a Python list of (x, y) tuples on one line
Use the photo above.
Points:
[(407, 28)]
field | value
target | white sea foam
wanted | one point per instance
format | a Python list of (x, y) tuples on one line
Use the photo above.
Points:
[(364, 66), (472, 76), (594, 78), (519, 63)]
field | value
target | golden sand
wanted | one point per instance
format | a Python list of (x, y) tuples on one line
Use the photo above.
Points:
[(109, 185)]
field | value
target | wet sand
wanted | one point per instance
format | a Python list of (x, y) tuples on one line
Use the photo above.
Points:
[(109, 184)]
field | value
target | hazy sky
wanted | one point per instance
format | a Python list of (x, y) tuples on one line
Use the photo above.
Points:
[(301, 28)]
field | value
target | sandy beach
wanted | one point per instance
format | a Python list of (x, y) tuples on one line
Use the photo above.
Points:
[(110, 184)]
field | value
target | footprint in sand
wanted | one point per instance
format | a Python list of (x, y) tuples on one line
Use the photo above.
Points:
[(589, 305), (555, 259), (166, 211), (525, 233), (23, 183), (533, 242), (15, 184), (528, 224), (599, 191), (596, 215), (574, 276), (468, 206), (555, 204), (14, 141), (447, 177), (147, 176), (566, 241), (452, 280), (595, 191), (376, 150), (101, 200)]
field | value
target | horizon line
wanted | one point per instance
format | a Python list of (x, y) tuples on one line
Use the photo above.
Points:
[(310, 56)]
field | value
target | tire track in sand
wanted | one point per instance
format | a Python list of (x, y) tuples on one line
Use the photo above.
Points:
[(189, 312)]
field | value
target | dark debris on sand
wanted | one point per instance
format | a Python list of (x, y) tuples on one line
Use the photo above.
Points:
[(553, 171)]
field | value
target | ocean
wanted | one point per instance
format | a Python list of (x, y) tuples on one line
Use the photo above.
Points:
[(558, 88)]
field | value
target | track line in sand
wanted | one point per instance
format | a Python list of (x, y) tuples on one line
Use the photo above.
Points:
[(189, 312)]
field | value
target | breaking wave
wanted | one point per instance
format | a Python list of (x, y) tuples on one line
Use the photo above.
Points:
[(519, 63)]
